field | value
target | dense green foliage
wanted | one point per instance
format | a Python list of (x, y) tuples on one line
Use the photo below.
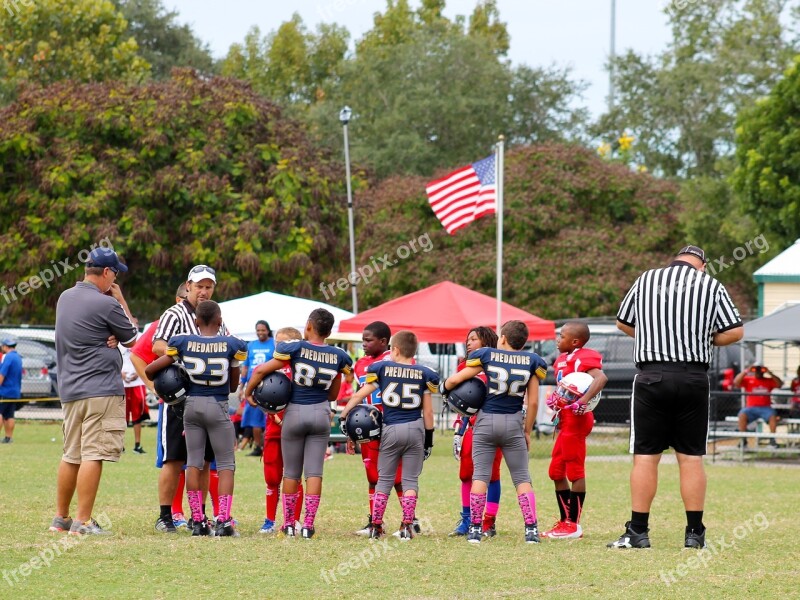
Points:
[(174, 173), (768, 159), (578, 231), (45, 41)]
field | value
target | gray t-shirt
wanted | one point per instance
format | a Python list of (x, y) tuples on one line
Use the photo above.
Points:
[(87, 367)]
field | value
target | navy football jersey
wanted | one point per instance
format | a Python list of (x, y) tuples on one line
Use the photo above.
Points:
[(314, 368), (208, 361), (509, 372), (402, 387)]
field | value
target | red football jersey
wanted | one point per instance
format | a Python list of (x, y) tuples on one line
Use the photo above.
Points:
[(758, 389), (360, 371), (143, 348), (581, 360)]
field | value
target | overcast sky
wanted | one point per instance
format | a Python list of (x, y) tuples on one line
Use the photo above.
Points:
[(573, 33)]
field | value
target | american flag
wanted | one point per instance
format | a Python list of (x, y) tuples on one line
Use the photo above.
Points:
[(461, 197)]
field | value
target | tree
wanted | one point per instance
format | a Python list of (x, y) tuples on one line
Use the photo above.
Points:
[(185, 171), (681, 105), (52, 40), (578, 231), (768, 160), (163, 42)]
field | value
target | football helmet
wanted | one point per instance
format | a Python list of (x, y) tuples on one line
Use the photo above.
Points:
[(468, 397), (171, 384), (364, 423), (273, 393), (572, 387)]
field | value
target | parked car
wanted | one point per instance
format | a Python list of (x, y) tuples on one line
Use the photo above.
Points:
[(618, 365), (36, 382), (35, 349)]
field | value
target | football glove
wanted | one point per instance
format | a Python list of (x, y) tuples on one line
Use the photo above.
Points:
[(552, 402), (578, 408), (457, 441), (443, 390), (428, 448), (342, 425)]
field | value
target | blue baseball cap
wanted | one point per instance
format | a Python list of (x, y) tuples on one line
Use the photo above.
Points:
[(105, 257), (9, 341)]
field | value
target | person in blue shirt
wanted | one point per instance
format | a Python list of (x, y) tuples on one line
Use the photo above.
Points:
[(307, 422), (10, 386), (258, 351)]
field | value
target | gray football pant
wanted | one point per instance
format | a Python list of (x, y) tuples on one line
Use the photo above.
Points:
[(507, 432), (402, 442), (205, 417), (304, 439)]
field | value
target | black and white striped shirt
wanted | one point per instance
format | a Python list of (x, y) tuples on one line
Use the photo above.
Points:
[(179, 320), (675, 312)]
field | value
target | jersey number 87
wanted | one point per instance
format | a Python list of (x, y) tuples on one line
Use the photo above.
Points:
[(308, 376)]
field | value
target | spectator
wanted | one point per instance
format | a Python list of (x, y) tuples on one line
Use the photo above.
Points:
[(757, 382), (135, 398), (675, 315), (794, 411), (90, 387), (259, 351), (10, 386), (347, 390)]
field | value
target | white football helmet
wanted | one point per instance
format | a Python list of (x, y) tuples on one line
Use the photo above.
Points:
[(572, 387)]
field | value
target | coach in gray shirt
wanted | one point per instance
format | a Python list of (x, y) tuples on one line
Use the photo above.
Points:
[(676, 315), (90, 386)]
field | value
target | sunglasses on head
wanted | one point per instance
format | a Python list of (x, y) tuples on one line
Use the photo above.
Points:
[(202, 268)]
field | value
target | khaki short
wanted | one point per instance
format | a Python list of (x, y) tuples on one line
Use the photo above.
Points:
[(94, 429)]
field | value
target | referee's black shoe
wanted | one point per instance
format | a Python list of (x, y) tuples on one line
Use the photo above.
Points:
[(631, 539), (695, 540)]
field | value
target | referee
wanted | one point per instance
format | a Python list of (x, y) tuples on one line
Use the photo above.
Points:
[(675, 314), (179, 319)]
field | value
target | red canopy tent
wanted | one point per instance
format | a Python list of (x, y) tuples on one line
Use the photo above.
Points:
[(444, 313)]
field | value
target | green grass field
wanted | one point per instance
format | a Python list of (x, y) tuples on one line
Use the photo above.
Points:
[(749, 513)]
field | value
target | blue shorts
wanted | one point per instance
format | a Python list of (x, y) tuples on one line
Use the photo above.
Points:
[(758, 412), (253, 417)]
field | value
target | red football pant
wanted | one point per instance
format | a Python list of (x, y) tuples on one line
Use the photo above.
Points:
[(273, 475), (569, 457), (466, 466)]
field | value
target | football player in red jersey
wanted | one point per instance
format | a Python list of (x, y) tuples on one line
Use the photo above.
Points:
[(273, 457), (375, 340), (575, 424)]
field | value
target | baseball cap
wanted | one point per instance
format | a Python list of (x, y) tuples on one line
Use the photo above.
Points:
[(694, 251), (9, 341), (200, 272), (105, 257)]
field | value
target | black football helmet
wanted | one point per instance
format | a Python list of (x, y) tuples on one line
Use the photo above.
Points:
[(468, 398), (364, 423), (273, 393), (171, 384)]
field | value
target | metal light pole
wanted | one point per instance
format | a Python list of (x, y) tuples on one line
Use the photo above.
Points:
[(344, 118), (612, 55)]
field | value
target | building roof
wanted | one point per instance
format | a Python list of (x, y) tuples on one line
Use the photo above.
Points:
[(784, 267)]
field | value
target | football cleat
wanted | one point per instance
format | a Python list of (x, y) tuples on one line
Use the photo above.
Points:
[(365, 530), (60, 524), (288, 531), (631, 539), (225, 529), (179, 520), (307, 533), (267, 527), (474, 533), (165, 525), (201, 528), (532, 533), (376, 531), (565, 530), (417, 527), (488, 527), (695, 540), (406, 532), (489, 532), (462, 527)]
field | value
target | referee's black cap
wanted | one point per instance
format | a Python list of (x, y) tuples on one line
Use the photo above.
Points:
[(694, 251)]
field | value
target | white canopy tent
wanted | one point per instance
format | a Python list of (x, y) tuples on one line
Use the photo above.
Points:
[(240, 315)]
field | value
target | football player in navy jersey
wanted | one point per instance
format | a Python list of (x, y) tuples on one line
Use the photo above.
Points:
[(212, 363), (407, 426), (307, 422), (514, 377)]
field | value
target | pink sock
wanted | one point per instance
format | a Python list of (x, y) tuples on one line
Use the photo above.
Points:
[(409, 508), (195, 503), (379, 502), (289, 504), (477, 503), (312, 504), (492, 508), (465, 489), (527, 503), (225, 502)]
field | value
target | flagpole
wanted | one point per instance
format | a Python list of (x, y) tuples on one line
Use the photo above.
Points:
[(498, 181)]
